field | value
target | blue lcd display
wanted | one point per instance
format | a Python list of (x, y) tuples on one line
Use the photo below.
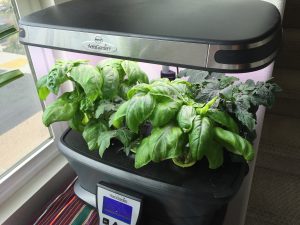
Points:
[(117, 210)]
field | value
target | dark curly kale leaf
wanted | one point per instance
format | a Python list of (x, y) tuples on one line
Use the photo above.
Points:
[(240, 99)]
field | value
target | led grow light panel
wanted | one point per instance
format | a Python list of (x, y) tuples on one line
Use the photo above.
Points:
[(219, 35)]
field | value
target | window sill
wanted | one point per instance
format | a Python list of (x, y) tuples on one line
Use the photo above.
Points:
[(24, 194)]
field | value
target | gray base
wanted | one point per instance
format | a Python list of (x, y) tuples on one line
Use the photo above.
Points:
[(84, 195), (163, 197)]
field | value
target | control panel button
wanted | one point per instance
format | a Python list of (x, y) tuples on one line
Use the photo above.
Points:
[(105, 221), (115, 223)]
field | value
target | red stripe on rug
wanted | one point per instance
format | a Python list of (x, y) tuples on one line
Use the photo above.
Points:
[(55, 203), (65, 208), (57, 216), (56, 207), (70, 213)]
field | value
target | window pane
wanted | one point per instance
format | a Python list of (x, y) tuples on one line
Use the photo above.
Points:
[(21, 129)]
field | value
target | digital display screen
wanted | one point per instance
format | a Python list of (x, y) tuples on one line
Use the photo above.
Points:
[(117, 210)]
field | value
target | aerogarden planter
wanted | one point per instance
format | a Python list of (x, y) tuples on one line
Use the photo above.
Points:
[(172, 195), (200, 125), (182, 145)]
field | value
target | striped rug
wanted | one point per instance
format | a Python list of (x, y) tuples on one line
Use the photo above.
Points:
[(68, 209)]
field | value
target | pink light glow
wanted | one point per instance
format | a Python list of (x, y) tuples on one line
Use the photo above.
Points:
[(44, 58)]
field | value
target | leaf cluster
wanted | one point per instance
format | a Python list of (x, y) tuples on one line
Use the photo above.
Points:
[(185, 121), (182, 129), (98, 92), (240, 99)]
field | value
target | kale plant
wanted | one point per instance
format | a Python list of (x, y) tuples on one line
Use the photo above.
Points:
[(240, 99)]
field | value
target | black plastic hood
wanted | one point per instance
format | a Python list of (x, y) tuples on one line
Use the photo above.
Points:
[(220, 35)]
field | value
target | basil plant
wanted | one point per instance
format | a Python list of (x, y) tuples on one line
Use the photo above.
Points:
[(98, 92), (185, 121)]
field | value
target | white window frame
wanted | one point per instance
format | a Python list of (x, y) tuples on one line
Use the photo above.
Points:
[(24, 170)]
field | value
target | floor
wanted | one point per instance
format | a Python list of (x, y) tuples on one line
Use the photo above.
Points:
[(275, 194)]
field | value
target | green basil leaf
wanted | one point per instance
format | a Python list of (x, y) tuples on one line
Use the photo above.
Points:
[(185, 117), (234, 143), (118, 117), (167, 143), (214, 155), (87, 106), (62, 109), (200, 137), (194, 138), (180, 81), (125, 136), (42, 88), (104, 140), (223, 119), (143, 155), (103, 107), (124, 89), (139, 110), (92, 132), (182, 86), (138, 89), (164, 112), (134, 72), (59, 74), (163, 88), (116, 63), (67, 66), (90, 79), (163, 143), (55, 78), (76, 122), (111, 82)]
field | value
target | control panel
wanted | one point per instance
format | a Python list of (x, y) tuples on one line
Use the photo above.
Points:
[(117, 206)]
